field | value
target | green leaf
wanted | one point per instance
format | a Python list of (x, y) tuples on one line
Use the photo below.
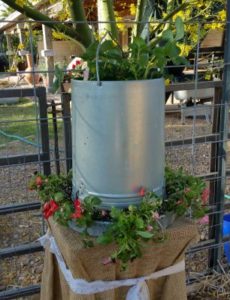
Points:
[(172, 50), (90, 52), (104, 239), (114, 53), (115, 212), (145, 234), (179, 29), (167, 35), (58, 78), (91, 201), (138, 42), (139, 223), (95, 201), (106, 46), (59, 197), (143, 59)]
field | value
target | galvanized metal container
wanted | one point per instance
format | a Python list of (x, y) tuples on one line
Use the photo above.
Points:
[(118, 139)]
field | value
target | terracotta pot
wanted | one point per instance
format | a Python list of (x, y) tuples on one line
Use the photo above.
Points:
[(21, 66), (31, 76)]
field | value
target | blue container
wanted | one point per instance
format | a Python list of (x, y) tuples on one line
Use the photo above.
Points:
[(226, 232)]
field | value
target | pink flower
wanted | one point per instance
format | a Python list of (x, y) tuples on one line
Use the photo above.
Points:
[(38, 181), (205, 196), (107, 260), (204, 220), (149, 228), (103, 213), (155, 216)]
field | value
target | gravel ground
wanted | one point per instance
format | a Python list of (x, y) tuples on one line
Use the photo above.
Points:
[(19, 228)]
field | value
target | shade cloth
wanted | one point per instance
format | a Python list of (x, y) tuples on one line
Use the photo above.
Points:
[(87, 264)]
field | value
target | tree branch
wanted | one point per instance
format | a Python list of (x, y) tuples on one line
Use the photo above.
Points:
[(38, 16), (78, 15)]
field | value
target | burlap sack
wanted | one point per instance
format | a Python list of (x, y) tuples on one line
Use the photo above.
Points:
[(87, 264)]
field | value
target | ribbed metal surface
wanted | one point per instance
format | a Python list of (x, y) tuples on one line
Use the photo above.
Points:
[(118, 139)]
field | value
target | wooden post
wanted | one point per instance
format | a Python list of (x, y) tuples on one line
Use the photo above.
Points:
[(9, 52), (21, 33), (66, 115), (48, 54), (44, 129)]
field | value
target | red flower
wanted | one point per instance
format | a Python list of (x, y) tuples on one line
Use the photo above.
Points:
[(49, 208), (53, 205), (142, 192), (78, 209), (73, 66), (205, 196), (77, 203), (78, 62), (76, 215), (38, 181)]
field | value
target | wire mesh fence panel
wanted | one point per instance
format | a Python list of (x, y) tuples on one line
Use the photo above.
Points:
[(35, 136)]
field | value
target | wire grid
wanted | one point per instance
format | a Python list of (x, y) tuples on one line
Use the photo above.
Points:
[(23, 227)]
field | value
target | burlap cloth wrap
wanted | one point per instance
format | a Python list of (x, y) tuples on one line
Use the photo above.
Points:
[(87, 264)]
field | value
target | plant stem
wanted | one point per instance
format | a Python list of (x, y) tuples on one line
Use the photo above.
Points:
[(106, 14), (141, 5), (78, 14)]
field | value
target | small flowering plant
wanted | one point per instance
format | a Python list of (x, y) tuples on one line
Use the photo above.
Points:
[(131, 227), (185, 194), (77, 69), (128, 228)]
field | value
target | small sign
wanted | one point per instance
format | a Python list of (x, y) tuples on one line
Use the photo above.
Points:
[(47, 52)]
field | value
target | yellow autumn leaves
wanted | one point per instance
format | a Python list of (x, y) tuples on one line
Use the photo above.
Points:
[(20, 2)]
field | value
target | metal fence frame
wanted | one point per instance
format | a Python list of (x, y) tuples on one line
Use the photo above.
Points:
[(218, 171)]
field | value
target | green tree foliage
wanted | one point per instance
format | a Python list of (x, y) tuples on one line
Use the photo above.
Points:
[(161, 13)]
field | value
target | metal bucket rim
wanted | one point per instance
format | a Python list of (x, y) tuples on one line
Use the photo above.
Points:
[(117, 81)]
